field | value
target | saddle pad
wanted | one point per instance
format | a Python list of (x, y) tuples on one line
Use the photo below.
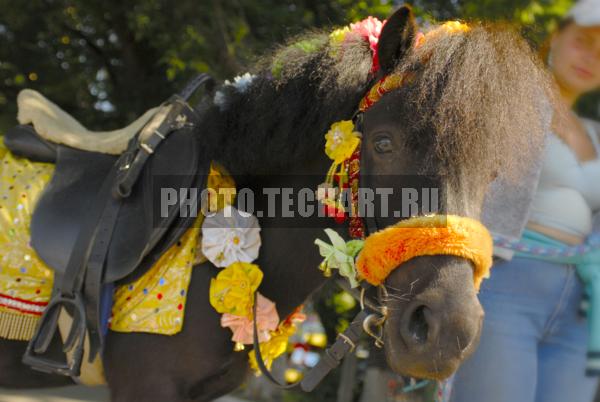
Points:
[(26, 282), (155, 302), (57, 126)]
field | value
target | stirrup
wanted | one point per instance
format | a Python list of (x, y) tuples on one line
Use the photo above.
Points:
[(46, 331)]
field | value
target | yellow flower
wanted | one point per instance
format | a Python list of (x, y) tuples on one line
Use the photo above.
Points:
[(274, 347), (232, 291), (221, 187), (342, 140), (338, 36), (456, 27)]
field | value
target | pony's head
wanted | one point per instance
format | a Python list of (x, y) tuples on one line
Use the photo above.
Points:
[(470, 107)]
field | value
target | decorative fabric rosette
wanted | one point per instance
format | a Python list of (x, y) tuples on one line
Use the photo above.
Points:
[(277, 345), (242, 327), (341, 141), (230, 236), (231, 239), (232, 291)]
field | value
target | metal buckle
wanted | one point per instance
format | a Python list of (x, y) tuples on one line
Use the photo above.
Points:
[(375, 321), (125, 161), (147, 148), (347, 341), (373, 324)]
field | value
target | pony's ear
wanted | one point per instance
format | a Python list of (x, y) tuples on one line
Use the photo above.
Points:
[(396, 38)]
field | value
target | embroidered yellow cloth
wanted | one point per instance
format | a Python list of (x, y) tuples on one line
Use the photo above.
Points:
[(463, 237), (25, 282), (155, 303)]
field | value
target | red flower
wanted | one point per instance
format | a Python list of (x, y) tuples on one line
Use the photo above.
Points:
[(338, 214), (370, 29)]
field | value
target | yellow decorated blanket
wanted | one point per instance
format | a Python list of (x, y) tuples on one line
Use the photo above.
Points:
[(155, 303)]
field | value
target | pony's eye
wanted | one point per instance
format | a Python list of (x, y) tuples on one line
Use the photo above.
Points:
[(383, 144)]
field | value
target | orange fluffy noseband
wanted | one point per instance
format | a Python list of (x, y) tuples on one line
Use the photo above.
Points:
[(385, 250)]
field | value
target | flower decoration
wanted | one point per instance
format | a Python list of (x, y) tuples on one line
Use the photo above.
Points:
[(242, 327), (230, 236), (341, 141), (339, 255), (419, 40), (370, 30), (338, 36), (241, 84), (456, 27), (277, 345), (232, 291)]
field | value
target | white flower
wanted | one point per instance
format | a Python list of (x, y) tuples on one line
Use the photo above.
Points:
[(220, 100), (230, 236), (241, 83)]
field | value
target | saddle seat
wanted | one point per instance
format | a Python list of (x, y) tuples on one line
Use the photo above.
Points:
[(57, 126), (60, 213)]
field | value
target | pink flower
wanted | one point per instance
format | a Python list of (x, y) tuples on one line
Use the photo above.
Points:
[(243, 327), (370, 29)]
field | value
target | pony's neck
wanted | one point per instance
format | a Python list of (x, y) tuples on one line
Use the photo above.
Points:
[(274, 127), (278, 128)]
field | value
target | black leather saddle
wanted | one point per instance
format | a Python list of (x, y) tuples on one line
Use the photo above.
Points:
[(99, 219)]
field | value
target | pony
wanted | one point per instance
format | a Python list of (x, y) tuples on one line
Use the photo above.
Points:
[(472, 111)]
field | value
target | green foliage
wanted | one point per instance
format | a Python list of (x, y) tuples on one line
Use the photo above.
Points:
[(106, 61)]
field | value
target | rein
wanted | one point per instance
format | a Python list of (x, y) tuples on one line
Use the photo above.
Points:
[(369, 320)]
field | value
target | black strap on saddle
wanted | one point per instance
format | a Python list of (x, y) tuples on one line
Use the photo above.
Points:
[(345, 343), (99, 240)]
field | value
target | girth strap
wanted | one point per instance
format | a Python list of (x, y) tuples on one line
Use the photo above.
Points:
[(68, 291)]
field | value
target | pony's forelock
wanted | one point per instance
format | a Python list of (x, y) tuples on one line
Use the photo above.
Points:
[(486, 94)]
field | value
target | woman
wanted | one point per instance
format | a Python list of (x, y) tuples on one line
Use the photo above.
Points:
[(533, 344)]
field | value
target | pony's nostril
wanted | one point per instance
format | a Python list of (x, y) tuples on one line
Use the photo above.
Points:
[(417, 325)]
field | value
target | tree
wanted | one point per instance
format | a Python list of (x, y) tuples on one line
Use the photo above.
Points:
[(106, 61)]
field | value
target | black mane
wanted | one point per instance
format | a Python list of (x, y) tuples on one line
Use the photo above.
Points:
[(280, 120)]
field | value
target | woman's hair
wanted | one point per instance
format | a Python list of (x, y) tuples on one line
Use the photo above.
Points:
[(545, 48)]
